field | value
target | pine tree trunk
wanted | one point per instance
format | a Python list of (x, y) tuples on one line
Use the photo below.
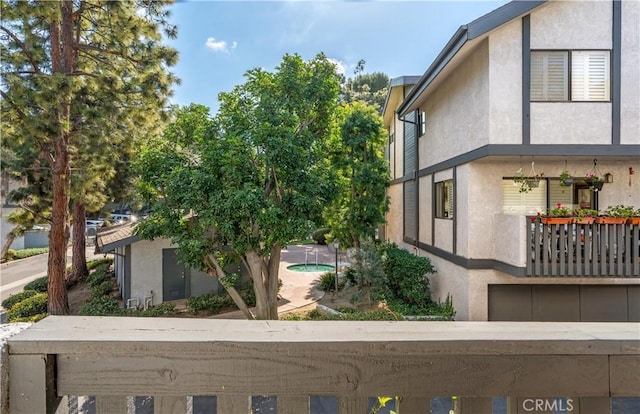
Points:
[(59, 235), (7, 244), (62, 62), (79, 270)]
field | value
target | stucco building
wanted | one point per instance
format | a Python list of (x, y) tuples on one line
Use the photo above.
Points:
[(543, 86)]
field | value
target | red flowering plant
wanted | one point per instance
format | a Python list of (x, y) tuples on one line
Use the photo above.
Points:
[(560, 211)]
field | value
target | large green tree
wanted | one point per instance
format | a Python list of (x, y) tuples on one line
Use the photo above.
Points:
[(73, 70), (357, 158), (242, 185)]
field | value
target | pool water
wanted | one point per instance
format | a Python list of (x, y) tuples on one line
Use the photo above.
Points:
[(301, 267)]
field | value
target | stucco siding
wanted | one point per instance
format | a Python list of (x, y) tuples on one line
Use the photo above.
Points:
[(449, 279), (146, 268), (483, 201), (458, 111), (630, 76), (571, 123), (393, 226), (572, 25), (505, 79)]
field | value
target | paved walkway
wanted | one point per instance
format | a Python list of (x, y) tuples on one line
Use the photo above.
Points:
[(298, 288)]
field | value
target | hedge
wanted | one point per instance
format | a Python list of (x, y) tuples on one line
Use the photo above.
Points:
[(12, 300), (29, 307)]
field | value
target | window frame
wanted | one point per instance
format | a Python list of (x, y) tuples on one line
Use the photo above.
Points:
[(440, 197), (570, 74)]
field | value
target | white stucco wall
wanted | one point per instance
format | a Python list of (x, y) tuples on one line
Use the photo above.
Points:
[(458, 111), (393, 226), (630, 76), (505, 79), (572, 25), (449, 279), (571, 123), (146, 268)]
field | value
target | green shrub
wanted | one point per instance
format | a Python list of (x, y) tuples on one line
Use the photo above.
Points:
[(11, 255), (101, 306), (406, 277), (327, 282), (99, 275), (163, 309), (353, 315), (39, 284), (209, 303), (319, 236), (33, 319), (29, 307), (23, 253), (9, 302), (102, 289), (92, 264)]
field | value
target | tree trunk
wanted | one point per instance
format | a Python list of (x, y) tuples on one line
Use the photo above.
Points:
[(79, 270), (7, 244), (62, 62), (215, 270), (266, 306)]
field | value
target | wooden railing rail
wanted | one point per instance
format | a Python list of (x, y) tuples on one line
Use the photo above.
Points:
[(111, 358), (582, 250)]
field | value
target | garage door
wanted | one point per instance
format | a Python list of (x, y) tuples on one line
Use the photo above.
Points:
[(564, 303)]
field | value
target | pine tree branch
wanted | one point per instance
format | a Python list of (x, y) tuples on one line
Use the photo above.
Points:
[(13, 104), (24, 48), (84, 46)]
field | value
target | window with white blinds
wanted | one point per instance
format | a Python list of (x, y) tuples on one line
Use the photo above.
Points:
[(588, 80), (517, 203), (549, 76), (590, 75), (444, 199)]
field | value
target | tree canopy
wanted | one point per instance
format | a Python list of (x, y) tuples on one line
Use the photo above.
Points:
[(243, 184), (357, 159), (78, 75)]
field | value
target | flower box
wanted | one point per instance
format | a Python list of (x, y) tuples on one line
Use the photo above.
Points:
[(557, 220), (634, 220), (585, 220), (611, 220)]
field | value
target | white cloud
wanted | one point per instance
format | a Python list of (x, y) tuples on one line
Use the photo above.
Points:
[(220, 45), (340, 66)]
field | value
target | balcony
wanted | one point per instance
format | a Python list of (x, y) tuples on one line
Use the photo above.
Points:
[(582, 250), (181, 361)]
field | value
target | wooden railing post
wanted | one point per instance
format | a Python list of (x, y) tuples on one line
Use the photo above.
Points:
[(31, 387)]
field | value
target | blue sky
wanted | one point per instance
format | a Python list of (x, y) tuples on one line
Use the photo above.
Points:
[(219, 41)]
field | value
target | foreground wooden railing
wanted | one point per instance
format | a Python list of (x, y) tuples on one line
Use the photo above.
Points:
[(112, 358), (582, 249)]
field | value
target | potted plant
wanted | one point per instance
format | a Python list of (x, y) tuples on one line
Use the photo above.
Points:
[(529, 181), (635, 218), (595, 182), (558, 215), (616, 214), (566, 179), (585, 215)]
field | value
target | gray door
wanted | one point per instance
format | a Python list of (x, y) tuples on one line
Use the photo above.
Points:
[(174, 276)]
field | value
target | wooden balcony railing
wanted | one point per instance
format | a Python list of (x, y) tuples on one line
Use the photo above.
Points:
[(583, 250), (174, 360)]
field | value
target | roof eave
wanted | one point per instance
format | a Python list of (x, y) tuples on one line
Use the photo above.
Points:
[(473, 30)]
